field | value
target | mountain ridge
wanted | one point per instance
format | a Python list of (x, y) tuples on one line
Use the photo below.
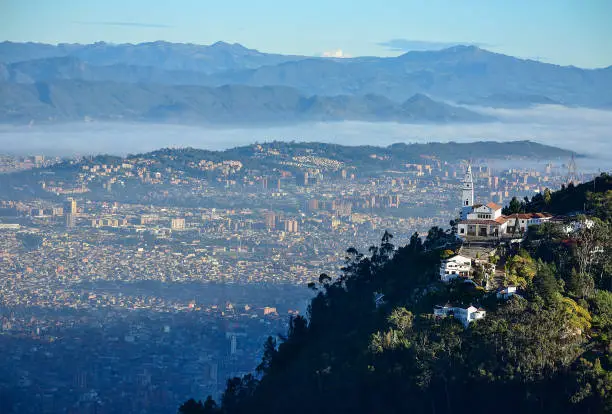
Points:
[(456, 74), (228, 104)]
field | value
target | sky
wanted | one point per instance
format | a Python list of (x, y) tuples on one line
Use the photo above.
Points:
[(566, 32)]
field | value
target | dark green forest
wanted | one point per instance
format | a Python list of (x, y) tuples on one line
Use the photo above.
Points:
[(547, 349)]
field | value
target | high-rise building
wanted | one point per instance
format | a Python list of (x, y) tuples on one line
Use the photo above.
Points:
[(70, 206), (313, 204), (270, 219), (177, 224), (291, 226), (70, 211), (233, 344), (70, 220), (303, 178), (394, 200)]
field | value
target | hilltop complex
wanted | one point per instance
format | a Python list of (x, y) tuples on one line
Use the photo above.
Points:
[(486, 220)]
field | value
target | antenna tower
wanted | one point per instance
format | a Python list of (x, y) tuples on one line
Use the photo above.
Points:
[(572, 171)]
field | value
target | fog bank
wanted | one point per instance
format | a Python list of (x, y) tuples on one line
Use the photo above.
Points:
[(586, 131)]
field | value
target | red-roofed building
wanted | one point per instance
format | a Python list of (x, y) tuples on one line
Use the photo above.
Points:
[(483, 221), (486, 220), (520, 222)]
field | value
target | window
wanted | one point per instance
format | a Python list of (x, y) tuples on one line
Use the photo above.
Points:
[(462, 230)]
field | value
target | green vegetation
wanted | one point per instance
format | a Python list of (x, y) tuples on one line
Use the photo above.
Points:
[(593, 196)]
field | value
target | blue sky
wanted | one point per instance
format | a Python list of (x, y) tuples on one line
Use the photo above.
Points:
[(557, 31)]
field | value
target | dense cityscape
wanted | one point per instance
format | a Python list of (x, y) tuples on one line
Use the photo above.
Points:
[(318, 207), (111, 261)]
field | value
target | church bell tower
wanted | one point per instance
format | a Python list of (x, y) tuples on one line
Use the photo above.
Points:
[(467, 192)]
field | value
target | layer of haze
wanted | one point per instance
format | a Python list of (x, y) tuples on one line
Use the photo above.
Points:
[(586, 131)]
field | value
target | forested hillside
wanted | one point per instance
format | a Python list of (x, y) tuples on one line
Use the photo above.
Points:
[(371, 344), (594, 197)]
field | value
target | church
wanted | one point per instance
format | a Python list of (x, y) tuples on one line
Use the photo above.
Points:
[(479, 220)]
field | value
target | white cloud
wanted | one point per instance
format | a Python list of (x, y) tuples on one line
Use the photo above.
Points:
[(338, 53)]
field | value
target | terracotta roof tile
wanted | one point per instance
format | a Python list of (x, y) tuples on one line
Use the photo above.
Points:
[(478, 221)]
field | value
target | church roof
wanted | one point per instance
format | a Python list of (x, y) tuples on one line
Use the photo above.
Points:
[(494, 206), (529, 215), (497, 221)]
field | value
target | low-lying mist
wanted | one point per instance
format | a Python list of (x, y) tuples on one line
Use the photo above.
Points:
[(586, 131)]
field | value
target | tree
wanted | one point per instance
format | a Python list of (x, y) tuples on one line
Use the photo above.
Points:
[(400, 358), (237, 392), (324, 279), (210, 406), (601, 204), (547, 196), (514, 207), (520, 269), (593, 387), (192, 406), (416, 244), (580, 284), (545, 283), (268, 356)]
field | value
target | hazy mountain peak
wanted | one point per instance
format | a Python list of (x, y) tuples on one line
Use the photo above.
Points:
[(419, 97), (463, 48), (221, 45)]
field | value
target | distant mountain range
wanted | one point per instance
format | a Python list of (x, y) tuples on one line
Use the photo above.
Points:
[(215, 58), (360, 88), (231, 104)]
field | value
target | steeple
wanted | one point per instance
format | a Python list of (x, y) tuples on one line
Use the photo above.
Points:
[(467, 190)]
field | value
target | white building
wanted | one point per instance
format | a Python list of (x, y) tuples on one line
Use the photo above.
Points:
[(464, 315), (576, 225), (177, 224), (520, 222), (487, 220), (453, 267), (483, 220), (507, 292)]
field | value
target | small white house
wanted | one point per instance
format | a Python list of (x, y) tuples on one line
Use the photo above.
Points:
[(520, 222), (464, 315), (453, 267), (507, 292), (576, 225)]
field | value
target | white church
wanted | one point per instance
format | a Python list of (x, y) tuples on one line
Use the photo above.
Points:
[(479, 220), (486, 220)]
